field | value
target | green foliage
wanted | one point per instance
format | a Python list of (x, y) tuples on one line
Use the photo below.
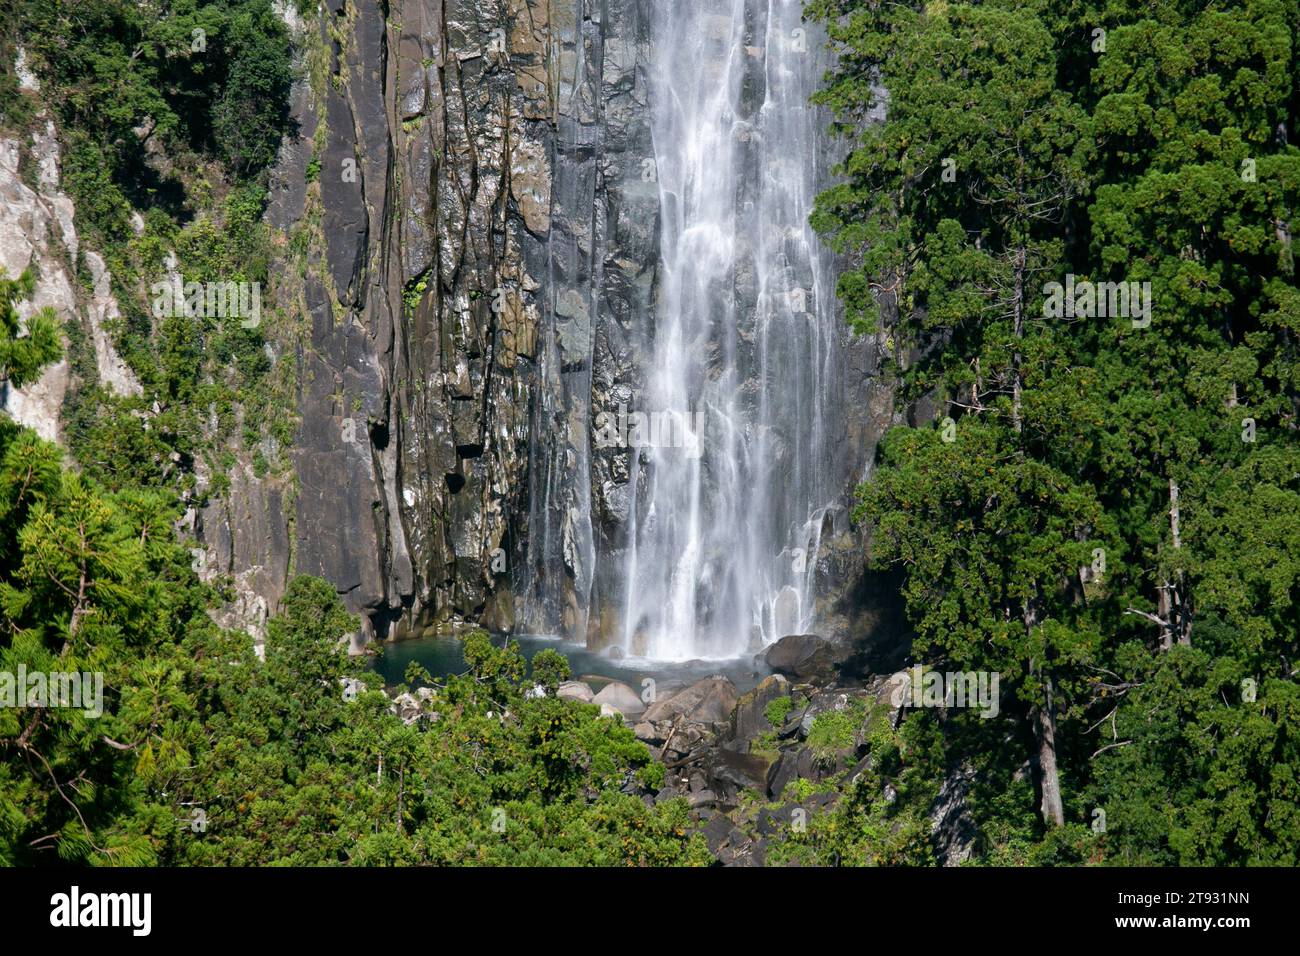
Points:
[(492, 776), (249, 116), (205, 74), (834, 731), (205, 754), (91, 582), (17, 107), (880, 818), (550, 669), (414, 291), (175, 111), (26, 347), (1105, 514), (778, 710), (1205, 776)]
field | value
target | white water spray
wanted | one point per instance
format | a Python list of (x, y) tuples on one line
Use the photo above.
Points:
[(720, 552)]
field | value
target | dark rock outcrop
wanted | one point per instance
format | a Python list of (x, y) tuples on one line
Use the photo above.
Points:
[(807, 657), (749, 719), (954, 832)]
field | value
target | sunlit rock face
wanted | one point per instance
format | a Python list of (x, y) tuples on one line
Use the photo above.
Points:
[(38, 233)]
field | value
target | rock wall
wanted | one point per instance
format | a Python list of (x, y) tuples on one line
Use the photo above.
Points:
[(487, 244), (431, 139), (603, 255), (464, 150), (37, 232), (481, 249)]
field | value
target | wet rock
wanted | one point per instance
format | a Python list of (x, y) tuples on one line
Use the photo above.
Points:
[(732, 772), (857, 606)]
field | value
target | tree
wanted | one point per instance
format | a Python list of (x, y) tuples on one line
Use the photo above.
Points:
[(91, 584), (952, 207), (1111, 142), (26, 348), (991, 543)]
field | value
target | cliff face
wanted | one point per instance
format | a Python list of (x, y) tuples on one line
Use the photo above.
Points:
[(432, 138), (38, 232), (471, 238), (484, 261)]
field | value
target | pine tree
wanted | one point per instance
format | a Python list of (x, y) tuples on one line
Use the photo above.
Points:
[(26, 347)]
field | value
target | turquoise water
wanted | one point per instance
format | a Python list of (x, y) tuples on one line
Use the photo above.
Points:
[(442, 656)]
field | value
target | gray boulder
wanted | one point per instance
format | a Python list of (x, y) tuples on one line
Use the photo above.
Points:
[(622, 698), (708, 701), (733, 772), (792, 765), (807, 657), (575, 690), (750, 717)]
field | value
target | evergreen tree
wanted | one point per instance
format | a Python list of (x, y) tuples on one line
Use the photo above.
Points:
[(26, 347)]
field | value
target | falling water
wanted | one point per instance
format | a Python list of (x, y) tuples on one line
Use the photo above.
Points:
[(715, 556), (720, 555)]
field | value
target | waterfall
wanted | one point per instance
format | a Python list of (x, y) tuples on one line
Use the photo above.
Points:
[(730, 459)]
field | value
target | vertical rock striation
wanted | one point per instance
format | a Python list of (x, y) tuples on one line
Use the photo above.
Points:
[(481, 183), (416, 364)]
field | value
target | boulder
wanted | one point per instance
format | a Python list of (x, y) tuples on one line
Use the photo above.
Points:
[(790, 766), (807, 657), (681, 738), (750, 717), (720, 832), (667, 687), (707, 701), (702, 798), (621, 697), (744, 853), (406, 707), (733, 772), (575, 690)]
